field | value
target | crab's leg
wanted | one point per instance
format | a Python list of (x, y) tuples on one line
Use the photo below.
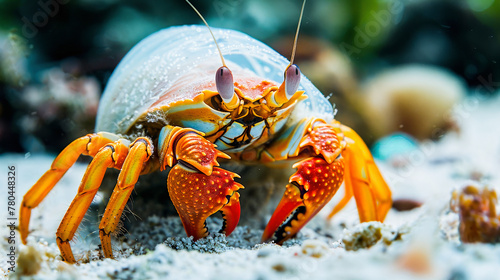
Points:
[(197, 188), (347, 197), (373, 196), (111, 155), (139, 153), (86, 145)]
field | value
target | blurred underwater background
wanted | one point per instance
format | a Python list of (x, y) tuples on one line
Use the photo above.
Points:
[(417, 79), (391, 67)]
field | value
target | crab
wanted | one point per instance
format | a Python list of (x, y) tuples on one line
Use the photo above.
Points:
[(163, 110)]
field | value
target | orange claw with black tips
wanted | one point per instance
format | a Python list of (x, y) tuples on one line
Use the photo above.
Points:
[(337, 154), (311, 187), (197, 188)]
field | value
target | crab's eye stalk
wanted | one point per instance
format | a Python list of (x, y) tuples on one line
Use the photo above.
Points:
[(287, 89), (224, 83), (292, 80), (225, 87)]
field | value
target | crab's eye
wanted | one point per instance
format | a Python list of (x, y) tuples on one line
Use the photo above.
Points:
[(224, 83), (292, 80)]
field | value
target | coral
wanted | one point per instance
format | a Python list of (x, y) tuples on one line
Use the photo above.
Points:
[(365, 235), (61, 105), (479, 221)]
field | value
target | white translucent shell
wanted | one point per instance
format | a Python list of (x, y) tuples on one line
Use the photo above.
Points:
[(154, 65)]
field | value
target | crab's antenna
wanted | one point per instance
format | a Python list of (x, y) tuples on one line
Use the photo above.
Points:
[(297, 33), (291, 81), (223, 77), (202, 18)]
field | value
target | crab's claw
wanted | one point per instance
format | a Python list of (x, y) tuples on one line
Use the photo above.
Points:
[(310, 188), (196, 186), (196, 196)]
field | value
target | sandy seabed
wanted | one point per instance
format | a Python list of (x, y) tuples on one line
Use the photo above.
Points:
[(422, 243)]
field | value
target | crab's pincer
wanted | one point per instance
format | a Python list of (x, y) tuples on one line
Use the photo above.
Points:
[(196, 187), (310, 188)]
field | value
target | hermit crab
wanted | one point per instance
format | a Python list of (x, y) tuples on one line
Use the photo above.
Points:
[(162, 109)]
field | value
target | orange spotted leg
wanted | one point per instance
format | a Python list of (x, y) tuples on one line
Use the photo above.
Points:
[(196, 187), (111, 155), (87, 145)]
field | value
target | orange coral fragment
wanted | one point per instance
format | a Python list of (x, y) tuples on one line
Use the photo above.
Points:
[(479, 221)]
